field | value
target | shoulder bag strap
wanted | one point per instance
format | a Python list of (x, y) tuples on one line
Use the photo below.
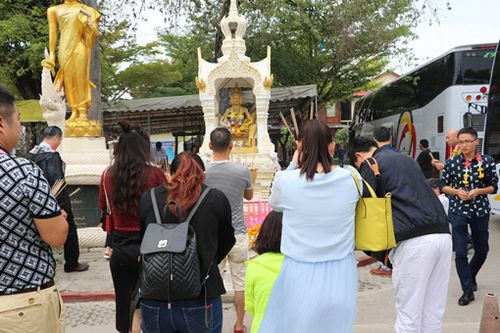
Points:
[(370, 189), (108, 206), (358, 186), (198, 203)]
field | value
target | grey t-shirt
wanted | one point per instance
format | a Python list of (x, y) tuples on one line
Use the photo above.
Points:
[(232, 179)]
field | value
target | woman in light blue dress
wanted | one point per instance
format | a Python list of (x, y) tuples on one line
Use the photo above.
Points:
[(317, 287)]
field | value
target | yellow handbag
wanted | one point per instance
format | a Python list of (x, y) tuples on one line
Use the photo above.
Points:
[(374, 230)]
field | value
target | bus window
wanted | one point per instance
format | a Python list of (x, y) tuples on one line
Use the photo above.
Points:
[(434, 79), (440, 124), (473, 66)]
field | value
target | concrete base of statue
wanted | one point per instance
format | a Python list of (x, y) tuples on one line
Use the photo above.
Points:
[(262, 166), (85, 158)]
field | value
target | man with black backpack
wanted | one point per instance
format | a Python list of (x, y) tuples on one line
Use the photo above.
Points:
[(45, 155)]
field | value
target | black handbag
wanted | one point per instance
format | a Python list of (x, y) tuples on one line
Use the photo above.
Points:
[(170, 268)]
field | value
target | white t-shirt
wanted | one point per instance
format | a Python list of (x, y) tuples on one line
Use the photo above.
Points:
[(445, 202)]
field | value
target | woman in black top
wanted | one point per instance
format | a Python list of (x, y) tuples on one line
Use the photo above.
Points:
[(214, 236)]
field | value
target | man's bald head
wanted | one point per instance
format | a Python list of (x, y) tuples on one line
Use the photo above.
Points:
[(452, 137)]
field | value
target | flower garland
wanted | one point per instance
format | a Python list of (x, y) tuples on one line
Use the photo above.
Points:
[(468, 169)]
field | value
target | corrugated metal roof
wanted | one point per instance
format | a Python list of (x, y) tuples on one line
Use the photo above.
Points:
[(193, 101)]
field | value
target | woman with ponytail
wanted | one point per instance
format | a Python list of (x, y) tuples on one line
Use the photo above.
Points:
[(122, 185), (214, 236)]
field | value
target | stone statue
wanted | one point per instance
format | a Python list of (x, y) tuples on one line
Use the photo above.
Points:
[(77, 26), (51, 100), (239, 120)]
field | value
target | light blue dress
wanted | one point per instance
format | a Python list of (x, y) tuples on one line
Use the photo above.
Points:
[(317, 286)]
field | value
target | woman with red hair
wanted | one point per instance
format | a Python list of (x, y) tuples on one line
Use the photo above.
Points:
[(214, 237)]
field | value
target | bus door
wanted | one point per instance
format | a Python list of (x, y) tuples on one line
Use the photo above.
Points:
[(492, 125)]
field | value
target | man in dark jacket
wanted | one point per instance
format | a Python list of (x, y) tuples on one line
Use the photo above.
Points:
[(422, 258), (49, 160)]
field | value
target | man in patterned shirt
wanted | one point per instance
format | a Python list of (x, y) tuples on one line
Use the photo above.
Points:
[(468, 178), (30, 223)]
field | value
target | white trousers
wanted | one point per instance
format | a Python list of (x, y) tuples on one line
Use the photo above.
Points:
[(420, 276)]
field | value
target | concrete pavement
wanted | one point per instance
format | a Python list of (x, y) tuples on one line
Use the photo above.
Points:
[(375, 313)]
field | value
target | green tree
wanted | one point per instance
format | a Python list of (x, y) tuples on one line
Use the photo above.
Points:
[(152, 79), (23, 36), (338, 45)]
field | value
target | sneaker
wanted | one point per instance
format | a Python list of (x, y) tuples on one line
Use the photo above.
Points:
[(80, 267), (381, 272), (242, 330)]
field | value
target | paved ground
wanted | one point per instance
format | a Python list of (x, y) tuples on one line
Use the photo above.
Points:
[(375, 314)]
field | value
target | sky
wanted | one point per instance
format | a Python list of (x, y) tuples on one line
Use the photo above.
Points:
[(468, 22)]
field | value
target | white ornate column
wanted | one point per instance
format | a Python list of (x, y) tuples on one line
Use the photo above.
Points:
[(264, 144), (211, 120)]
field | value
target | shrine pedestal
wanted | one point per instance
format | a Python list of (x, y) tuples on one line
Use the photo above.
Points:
[(85, 158)]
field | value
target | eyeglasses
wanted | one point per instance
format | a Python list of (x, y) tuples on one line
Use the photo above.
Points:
[(466, 142)]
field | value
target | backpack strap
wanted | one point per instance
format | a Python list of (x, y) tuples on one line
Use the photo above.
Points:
[(198, 203), (155, 206), (179, 209), (372, 163)]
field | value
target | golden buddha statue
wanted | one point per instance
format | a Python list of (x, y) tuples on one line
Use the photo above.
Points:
[(77, 26), (240, 122)]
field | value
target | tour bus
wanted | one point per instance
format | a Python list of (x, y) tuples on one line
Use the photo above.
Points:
[(492, 129), (450, 91)]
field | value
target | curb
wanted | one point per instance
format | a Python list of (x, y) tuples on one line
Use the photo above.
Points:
[(103, 296), (108, 296), (87, 296)]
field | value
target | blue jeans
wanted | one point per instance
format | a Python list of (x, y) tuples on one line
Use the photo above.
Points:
[(479, 226), (183, 317)]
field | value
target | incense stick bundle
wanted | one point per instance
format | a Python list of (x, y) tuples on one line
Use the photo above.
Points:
[(58, 187), (287, 126), (75, 192), (294, 120)]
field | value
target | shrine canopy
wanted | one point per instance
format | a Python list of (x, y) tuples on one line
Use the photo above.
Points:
[(183, 115)]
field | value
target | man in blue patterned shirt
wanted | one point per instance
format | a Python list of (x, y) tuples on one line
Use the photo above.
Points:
[(30, 223), (468, 178)]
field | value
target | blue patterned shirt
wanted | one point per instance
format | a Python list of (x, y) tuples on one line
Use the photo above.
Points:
[(453, 175)]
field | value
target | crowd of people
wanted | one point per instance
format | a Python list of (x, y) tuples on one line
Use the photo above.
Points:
[(304, 275)]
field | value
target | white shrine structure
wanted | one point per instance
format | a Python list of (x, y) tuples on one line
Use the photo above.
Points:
[(235, 70)]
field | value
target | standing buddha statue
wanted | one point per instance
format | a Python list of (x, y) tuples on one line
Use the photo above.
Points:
[(76, 25)]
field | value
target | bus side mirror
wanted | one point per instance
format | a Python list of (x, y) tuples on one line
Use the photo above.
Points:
[(468, 119)]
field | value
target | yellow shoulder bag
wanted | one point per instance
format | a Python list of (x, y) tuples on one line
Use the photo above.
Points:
[(374, 230)]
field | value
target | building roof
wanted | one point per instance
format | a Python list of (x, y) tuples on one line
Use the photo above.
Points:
[(193, 101), (183, 115)]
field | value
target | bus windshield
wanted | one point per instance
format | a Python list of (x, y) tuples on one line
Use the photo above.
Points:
[(492, 133), (474, 66)]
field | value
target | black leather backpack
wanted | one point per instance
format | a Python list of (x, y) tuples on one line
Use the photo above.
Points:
[(170, 268)]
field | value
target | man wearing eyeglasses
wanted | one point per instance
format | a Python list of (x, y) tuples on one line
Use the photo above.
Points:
[(468, 178)]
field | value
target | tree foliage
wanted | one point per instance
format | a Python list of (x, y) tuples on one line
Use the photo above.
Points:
[(338, 45), (23, 36)]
